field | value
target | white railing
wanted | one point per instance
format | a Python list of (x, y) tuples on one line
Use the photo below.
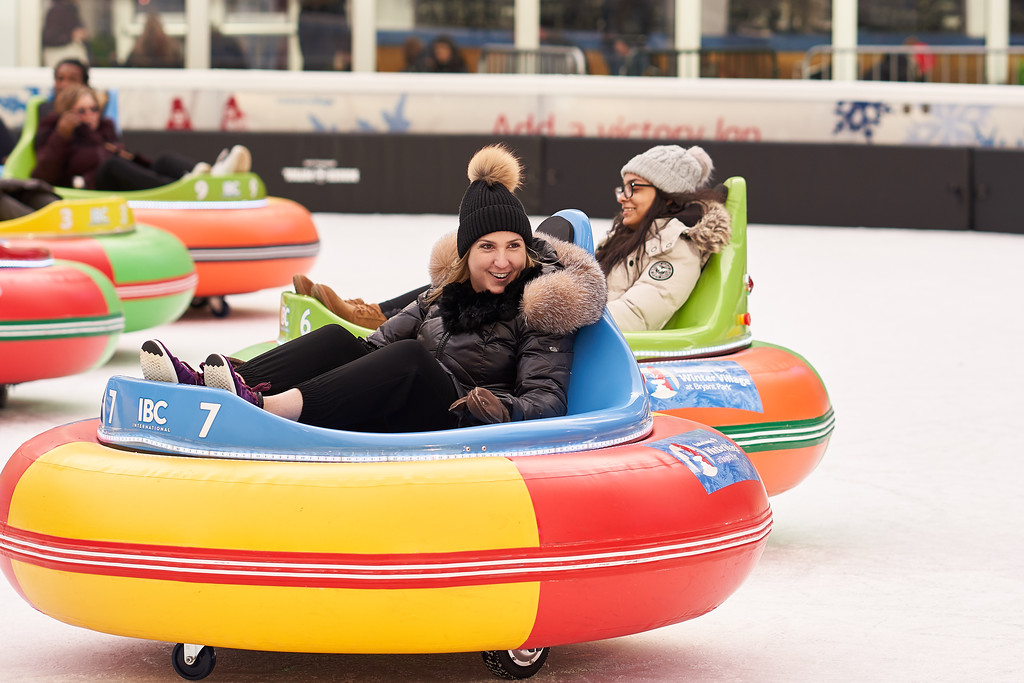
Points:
[(702, 63), (922, 63), (547, 59)]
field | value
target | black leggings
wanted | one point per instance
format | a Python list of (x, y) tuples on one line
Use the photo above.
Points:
[(397, 388), (117, 173)]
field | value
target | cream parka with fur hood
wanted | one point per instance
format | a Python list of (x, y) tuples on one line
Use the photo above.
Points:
[(518, 344), (643, 293)]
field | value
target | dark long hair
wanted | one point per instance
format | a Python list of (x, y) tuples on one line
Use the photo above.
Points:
[(624, 242)]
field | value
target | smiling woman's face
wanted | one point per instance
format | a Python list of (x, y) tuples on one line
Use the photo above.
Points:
[(636, 207), (495, 260)]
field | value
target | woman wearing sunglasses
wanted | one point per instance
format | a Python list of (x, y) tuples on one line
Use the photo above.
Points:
[(669, 224), (85, 151)]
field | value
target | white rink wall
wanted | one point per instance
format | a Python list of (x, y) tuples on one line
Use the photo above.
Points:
[(802, 111)]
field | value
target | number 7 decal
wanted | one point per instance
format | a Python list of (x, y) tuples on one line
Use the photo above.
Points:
[(213, 409), (113, 397)]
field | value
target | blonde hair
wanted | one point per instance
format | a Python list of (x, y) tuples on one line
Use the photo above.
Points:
[(459, 272), (69, 96)]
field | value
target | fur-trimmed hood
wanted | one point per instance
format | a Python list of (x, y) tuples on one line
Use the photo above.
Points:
[(714, 230), (560, 300)]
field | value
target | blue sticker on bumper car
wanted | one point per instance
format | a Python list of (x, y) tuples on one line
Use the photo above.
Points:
[(713, 459), (700, 384)]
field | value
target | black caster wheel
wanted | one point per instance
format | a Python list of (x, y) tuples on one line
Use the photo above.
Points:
[(219, 307), (199, 302), (515, 664), (3, 394), (192, 664)]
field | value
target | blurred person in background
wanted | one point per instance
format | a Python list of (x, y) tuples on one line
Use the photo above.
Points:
[(64, 33), (154, 48), (325, 37), (85, 151), (443, 56), (412, 52), (68, 72)]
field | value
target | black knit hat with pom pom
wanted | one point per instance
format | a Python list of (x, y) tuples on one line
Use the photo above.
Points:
[(490, 204)]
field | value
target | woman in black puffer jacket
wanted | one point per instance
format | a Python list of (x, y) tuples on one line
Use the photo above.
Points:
[(490, 341)]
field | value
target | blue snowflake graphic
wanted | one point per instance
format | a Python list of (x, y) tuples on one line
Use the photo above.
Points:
[(394, 122), (12, 104), (860, 117), (321, 127), (955, 124)]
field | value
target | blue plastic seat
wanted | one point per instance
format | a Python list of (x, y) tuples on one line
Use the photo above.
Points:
[(607, 404)]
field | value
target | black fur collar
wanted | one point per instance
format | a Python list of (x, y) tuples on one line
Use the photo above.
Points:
[(464, 310)]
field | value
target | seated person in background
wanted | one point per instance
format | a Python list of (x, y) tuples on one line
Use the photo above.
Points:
[(491, 341), (412, 50), (443, 56), (669, 225), (67, 72), (356, 311), (85, 152)]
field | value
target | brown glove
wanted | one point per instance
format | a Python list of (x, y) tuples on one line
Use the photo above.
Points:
[(483, 405)]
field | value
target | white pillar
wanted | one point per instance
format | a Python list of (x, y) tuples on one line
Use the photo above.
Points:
[(997, 39), (294, 49), (844, 40), (974, 18), (364, 35), (526, 34), (197, 36), (26, 33), (9, 33), (687, 38)]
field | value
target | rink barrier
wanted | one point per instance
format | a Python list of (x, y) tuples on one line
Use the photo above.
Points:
[(944, 188)]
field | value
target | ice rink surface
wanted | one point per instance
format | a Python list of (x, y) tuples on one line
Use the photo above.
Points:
[(901, 558)]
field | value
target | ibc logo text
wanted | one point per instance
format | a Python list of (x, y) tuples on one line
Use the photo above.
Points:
[(149, 411)]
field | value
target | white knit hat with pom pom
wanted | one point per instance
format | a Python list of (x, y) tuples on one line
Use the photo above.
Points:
[(671, 168)]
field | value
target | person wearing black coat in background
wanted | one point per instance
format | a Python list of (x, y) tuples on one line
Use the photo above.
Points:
[(443, 56)]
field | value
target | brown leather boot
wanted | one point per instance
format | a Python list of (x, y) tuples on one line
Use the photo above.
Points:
[(356, 311), (303, 285)]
